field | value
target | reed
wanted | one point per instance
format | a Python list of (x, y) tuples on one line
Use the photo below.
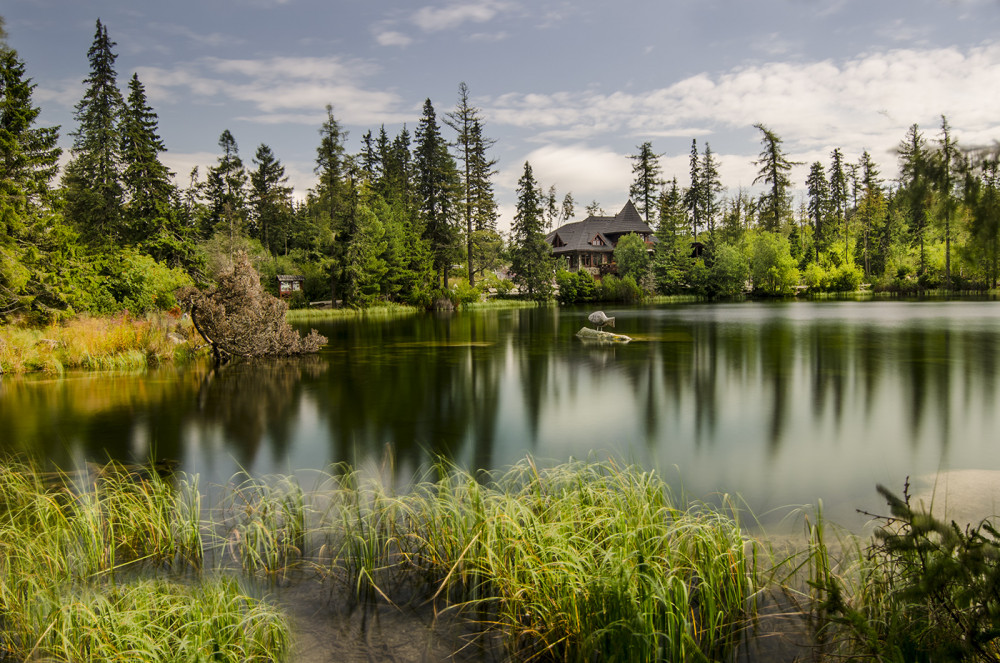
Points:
[(501, 304), (122, 342), (384, 311)]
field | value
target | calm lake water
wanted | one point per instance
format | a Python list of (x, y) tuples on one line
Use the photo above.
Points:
[(781, 403)]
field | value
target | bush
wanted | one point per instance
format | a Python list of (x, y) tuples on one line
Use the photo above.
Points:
[(772, 266), (140, 284), (846, 278), (463, 293), (931, 592), (614, 289), (239, 319), (566, 287)]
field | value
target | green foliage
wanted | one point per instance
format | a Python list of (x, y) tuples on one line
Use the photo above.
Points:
[(140, 284), (632, 257), (614, 289), (772, 268), (930, 590), (729, 272)]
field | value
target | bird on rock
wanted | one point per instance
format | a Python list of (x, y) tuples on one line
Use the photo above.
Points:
[(599, 319)]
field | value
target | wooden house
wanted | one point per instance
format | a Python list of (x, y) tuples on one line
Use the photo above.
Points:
[(590, 244), (289, 284)]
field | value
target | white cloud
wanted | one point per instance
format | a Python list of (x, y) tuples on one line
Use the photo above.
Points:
[(392, 38), (448, 17), (866, 102), (587, 171), (281, 89)]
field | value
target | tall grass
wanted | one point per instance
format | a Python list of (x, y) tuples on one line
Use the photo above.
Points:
[(500, 304), (386, 311), (122, 342), (579, 562)]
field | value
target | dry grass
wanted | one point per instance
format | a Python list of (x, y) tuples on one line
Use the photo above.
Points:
[(117, 343)]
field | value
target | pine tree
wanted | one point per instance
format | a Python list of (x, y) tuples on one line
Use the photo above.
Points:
[(774, 169), (437, 192), (818, 207), (226, 191), (914, 180), (872, 210), (946, 165), (671, 254), (149, 193), (647, 181), (838, 196), (28, 158), (531, 257), (270, 201), (93, 177), (710, 189), (693, 197), (477, 205)]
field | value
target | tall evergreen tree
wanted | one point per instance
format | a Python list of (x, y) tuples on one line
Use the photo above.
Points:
[(271, 209), (947, 163), (693, 197), (437, 192), (818, 207), (646, 182), (872, 210), (93, 177), (225, 190), (915, 185), (484, 204), (531, 258), (710, 188), (838, 196), (150, 218), (671, 253), (477, 205), (774, 171), (28, 158)]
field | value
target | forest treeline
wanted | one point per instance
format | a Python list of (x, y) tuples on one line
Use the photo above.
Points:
[(412, 217)]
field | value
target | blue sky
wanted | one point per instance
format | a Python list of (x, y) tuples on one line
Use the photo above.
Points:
[(573, 87)]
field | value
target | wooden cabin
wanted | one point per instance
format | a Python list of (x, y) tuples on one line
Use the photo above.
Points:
[(590, 244), (288, 284)]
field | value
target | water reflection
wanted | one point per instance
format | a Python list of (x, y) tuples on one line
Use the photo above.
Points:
[(783, 403)]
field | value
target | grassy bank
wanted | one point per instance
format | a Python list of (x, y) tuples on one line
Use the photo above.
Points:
[(579, 562), (375, 312), (116, 343)]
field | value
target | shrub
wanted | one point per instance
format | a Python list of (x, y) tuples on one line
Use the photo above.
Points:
[(239, 319)]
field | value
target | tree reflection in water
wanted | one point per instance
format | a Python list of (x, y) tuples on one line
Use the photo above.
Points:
[(775, 400)]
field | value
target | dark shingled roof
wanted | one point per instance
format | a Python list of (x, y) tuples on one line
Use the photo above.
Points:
[(577, 236)]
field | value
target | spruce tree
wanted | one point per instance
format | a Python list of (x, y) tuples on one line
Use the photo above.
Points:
[(437, 192), (28, 157), (947, 162), (477, 204), (531, 257), (671, 254), (838, 196), (818, 207), (774, 171), (568, 207), (149, 193), (710, 188), (226, 191), (915, 187), (270, 201), (93, 178), (647, 181), (693, 197)]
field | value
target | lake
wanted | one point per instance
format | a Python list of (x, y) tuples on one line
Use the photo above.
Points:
[(782, 403)]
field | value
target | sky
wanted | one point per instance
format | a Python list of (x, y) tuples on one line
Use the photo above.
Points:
[(573, 87)]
